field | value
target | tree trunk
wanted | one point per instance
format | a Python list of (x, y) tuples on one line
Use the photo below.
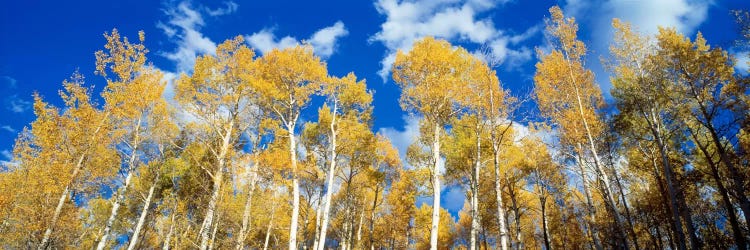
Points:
[(295, 188), (169, 235), (142, 217), (120, 197), (631, 227), (318, 214), (499, 196), (251, 178), (217, 180), (60, 203), (213, 232), (270, 225), (669, 177), (545, 228), (475, 193), (435, 188), (329, 182), (590, 208), (372, 218)]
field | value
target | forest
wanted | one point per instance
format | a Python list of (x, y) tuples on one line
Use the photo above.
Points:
[(228, 163)]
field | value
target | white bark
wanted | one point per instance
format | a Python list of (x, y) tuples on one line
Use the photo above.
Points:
[(501, 222), (217, 179), (142, 217), (475, 194), (122, 190), (251, 178), (270, 225), (60, 203), (435, 189), (590, 208), (169, 235), (295, 189), (329, 183), (318, 211)]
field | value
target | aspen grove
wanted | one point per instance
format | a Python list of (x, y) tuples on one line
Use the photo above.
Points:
[(228, 162)]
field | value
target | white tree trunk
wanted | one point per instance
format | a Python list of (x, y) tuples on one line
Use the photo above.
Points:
[(251, 178), (475, 194), (501, 222), (60, 203), (270, 225), (122, 190), (142, 217), (590, 206), (435, 189), (295, 189), (318, 214), (169, 235), (217, 179), (329, 184)]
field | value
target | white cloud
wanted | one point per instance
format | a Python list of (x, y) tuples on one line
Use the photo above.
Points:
[(401, 139), (230, 8), (743, 61), (644, 15), (455, 20), (8, 82), (16, 104), (324, 41), (6, 154), (8, 128), (183, 27)]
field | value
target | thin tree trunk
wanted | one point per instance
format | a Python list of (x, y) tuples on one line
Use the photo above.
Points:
[(435, 189), (726, 202), (629, 218), (217, 180), (359, 229), (475, 192), (120, 197), (251, 177), (213, 232), (318, 214), (329, 181), (669, 177), (142, 217), (295, 189), (60, 203), (545, 228), (372, 218), (590, 208), (169, 235), (499, 196), (270, 225)]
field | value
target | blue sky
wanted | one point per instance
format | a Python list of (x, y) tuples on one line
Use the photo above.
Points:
[(44, 42)]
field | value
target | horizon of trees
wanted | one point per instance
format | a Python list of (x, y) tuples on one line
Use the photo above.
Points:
[(229, 164)]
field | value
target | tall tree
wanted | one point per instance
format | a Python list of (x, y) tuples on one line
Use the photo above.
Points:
[(289, 78), (567, 94), (430, 77), (222, 102), (350, 98)]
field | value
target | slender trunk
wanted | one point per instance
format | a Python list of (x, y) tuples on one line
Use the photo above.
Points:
[(601, 173), (475, 192), (60, 203), (217, 180), (318, 214), (516, 214), (270, 225), (669, 177), (629, 218), (499, 196), (251, 178), (435, 188), (372, 217), (329, 182), (545, 228), (359, 230), (687, 216), (590, 208), (726, 202), (120, 197), (142, 217), (169, 235), (213, 232), (295, 188), (737, 176)]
